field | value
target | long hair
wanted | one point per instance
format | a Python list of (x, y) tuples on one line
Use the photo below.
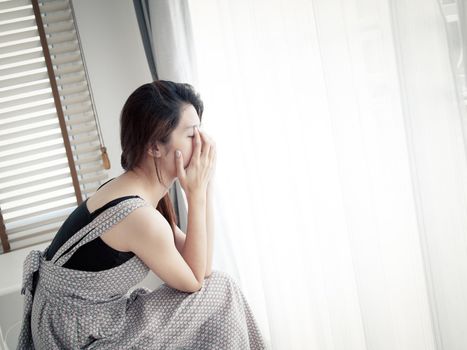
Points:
[(149, 115)]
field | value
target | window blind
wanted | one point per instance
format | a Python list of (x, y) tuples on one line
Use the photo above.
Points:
[(51, 152)]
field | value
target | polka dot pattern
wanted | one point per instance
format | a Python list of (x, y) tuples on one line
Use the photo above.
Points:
[(73, 309)]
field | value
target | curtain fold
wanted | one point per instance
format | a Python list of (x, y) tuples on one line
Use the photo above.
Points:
[(144, 23)]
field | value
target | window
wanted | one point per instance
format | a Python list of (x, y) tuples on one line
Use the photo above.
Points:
[(51, 151)]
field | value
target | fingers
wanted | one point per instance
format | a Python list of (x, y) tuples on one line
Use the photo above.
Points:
[(212, 158), (207, 138), (198, 144), (206, 146), (209, 143), (179, 164)]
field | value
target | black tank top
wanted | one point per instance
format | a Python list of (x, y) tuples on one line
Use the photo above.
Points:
[(95, 255)]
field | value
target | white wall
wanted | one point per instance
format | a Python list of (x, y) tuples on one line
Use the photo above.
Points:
[(116, 63)]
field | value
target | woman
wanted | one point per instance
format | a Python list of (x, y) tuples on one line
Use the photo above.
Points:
[(77, 290)]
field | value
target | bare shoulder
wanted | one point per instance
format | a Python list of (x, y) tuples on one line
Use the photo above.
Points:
[(146, 219)]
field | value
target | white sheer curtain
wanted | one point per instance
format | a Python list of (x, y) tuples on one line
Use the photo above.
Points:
[(341, 179)]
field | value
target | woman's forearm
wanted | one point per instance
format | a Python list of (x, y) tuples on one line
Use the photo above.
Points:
[(195, 248), (209, 227)]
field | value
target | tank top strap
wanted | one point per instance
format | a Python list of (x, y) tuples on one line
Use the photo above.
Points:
[(103, 222)]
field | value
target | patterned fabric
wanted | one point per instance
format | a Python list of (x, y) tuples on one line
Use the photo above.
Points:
[(73, 309)]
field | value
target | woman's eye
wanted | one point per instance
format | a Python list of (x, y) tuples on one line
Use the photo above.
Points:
[(191, 136)]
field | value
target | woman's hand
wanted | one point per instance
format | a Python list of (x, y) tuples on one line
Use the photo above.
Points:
[(200, 169), (210, 140)]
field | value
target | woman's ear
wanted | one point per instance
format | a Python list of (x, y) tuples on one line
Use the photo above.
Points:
[(154, 150)]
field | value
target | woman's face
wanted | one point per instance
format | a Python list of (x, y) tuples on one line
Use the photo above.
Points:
[(182, 138)]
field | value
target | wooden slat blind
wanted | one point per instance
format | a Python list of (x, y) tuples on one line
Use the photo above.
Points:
[(50, 146)]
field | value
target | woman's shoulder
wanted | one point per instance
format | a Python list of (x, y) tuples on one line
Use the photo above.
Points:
[(111, 192)]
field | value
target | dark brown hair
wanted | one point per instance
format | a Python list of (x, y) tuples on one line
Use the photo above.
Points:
[(150, 114)]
